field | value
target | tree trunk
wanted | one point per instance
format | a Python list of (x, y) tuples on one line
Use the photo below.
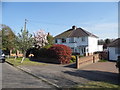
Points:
[(22, 59), (24, 56), (15, 58)]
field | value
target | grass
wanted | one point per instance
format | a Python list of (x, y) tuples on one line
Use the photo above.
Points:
[(17, 62), (103, 60), (97, 84)]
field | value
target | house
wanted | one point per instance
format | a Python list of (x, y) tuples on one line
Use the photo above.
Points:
[(114, 50), (79, 40)]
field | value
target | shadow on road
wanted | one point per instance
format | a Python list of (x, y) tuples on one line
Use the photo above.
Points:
[(108, 77), (73, 65)]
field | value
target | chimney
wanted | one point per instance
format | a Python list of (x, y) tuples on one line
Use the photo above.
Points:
[(48, 33), (74, 27)]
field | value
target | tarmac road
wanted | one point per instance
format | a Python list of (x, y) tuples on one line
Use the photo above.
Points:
[(15, 78)]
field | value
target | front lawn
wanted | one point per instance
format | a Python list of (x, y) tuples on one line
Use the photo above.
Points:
[(17, 62), (97, 84)]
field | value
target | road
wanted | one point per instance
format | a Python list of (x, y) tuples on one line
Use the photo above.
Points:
[(14, 78)]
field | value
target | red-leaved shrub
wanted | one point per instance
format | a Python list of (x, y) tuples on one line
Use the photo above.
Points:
[(61, 52)]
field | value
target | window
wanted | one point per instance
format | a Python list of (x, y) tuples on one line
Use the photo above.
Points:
[(63, 40), (56, 41), (72, 49), (117, 50), (71, 40), (83, 39)]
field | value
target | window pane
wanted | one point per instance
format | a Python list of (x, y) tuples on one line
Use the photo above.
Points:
[(63, 40), (117, 50), (55, 40), (83, 38), (71, 40)]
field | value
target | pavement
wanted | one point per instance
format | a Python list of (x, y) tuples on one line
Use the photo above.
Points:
[(15, 78), (68, 76)]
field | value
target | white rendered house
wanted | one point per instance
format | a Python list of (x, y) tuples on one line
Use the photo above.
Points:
[(79, 40), (114, 50)]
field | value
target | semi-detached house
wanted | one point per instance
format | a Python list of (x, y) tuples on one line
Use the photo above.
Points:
[(79, 40)]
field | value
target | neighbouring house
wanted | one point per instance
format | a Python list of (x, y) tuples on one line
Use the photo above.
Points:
[(114, 50), (79, 40)]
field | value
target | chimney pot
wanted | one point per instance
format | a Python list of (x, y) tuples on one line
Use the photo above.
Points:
[(74, 27)]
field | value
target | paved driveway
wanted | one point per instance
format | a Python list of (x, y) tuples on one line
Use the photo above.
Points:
[(102, 66), (66, 76)]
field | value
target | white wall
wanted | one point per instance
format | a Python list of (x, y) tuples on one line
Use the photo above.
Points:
[(112, 54), (100, 47), (92, 44)]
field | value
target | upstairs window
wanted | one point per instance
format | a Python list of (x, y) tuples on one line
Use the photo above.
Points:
[(71, 40), (83, 39), (63, 40)]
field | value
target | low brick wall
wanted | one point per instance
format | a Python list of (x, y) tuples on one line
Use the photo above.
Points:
[(82, 61), (19, 55)]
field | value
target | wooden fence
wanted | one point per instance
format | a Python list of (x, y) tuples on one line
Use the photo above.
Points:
[(82, 61)]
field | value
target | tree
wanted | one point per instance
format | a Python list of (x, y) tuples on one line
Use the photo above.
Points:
[(50, 39), (40, 39), (107, 41), (101, 42), (7, 37), (24, 41)]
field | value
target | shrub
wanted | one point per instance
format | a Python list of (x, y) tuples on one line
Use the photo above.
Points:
[(73, 58), (118, 64), (47, 46), (61, 52), (33, 51), (43, 52)]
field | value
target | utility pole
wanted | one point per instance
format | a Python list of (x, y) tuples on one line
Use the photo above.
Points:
[(25, 24)]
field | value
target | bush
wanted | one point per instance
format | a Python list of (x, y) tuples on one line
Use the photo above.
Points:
[(47, 46), (73, 58), (33, 51), (118, 64), (42, 52), (61, 52)]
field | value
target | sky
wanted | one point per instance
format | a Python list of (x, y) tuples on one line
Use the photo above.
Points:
[(99, 18)]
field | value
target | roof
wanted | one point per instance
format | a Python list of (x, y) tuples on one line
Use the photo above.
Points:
[(75, 32), (115, 43)]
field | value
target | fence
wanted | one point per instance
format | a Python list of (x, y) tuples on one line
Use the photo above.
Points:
[(82, 61)]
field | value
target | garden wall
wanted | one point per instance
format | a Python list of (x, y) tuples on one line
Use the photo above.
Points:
[(82, 61)]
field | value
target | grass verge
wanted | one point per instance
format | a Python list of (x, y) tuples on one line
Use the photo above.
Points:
[(17, 62), (103, 60), (97, 84)]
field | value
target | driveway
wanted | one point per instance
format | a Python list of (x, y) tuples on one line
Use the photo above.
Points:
[(66, 76)]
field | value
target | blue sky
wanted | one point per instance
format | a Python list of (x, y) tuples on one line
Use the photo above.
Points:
[(99, 18)]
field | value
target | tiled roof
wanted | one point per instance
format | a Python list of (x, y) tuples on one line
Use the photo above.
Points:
[(77, 32), (115, 43)]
